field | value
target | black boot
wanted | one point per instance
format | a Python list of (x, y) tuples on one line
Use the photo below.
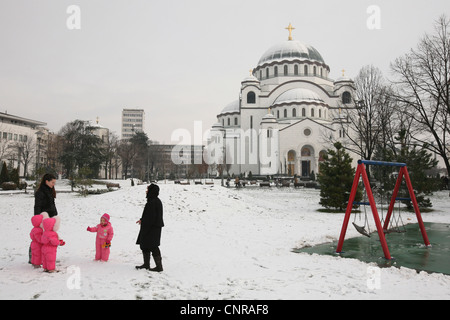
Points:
[(158, 262), (146, 265)]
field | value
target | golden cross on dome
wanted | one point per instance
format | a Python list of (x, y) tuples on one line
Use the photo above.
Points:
[(290, 28), (343, 72), (251, 71)]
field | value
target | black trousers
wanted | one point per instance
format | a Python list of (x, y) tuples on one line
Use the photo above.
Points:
[(154, 251)]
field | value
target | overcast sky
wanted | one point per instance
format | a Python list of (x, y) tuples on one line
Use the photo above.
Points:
[(180, 60)]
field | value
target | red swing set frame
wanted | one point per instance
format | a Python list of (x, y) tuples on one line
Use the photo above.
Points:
[(361, 171)]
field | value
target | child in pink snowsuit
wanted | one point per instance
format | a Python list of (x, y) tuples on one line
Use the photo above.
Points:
[(105, 234), (50, 242), (36, 235)]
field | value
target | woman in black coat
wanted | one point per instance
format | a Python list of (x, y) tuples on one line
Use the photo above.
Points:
[(151, 222), (44, 198)]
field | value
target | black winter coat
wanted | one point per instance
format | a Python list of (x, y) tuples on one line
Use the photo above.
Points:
[(45, 202), (151, 221)]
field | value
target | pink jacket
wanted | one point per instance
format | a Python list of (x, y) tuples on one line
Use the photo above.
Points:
[(36, 232), (104, 233), (50, 238)]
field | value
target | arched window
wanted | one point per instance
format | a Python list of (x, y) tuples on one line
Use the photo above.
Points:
[(275, 71), (320, 113), (314, 70), (305, 70), (228, 121), (306, 152), (235, 121), (294, 113), (285, 113), (285, 70), (278, 114), (251, 97), (346, 97), (267, 73), (296, 70), (312, 112), (303, 112)]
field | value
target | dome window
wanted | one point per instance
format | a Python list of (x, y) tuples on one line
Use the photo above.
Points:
[(285, 70), (296, 70), (346, 97), (251, 97), (306, 70)]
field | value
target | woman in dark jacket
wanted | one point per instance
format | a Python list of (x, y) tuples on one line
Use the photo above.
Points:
[(151, 222), (44, 198)]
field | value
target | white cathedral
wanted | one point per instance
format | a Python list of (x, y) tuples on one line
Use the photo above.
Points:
[(286, 113)]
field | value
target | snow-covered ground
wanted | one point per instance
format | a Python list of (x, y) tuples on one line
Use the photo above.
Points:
[(218, 243)]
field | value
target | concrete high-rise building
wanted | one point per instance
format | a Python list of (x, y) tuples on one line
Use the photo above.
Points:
[(133, 120)]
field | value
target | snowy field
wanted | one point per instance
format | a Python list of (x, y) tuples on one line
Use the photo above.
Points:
[(218, 243)]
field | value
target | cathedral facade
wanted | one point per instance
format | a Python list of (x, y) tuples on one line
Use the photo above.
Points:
[(287, 113)]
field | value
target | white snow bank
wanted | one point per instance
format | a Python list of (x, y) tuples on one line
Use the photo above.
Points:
[(218, 243)]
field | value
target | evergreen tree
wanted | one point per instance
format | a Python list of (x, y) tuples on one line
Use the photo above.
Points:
[(336, 179), (4, 176)]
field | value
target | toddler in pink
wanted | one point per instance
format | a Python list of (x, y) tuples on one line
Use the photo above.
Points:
[(105, 234), (36, 244), (50, 242)]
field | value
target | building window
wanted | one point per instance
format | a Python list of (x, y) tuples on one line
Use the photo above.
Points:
[(307, 132), (267, 73), (306, 152), (296, 70), (285, 70), (235, 121), (228, 121), (278, 114), (346, 97), (294, 113), (251, 97), (305, 70), (275, 71), (320, 113), (312, 112), (303, 112), (314, 70), (285, 113)]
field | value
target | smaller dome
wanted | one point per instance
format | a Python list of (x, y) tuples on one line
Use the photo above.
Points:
[(298, 95), (233, 107), (250, 79), (269, 118)]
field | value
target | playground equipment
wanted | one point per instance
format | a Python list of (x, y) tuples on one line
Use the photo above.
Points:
[(361, 171)]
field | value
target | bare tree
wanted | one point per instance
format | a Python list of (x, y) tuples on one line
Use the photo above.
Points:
[(423, 81), (367, 123)]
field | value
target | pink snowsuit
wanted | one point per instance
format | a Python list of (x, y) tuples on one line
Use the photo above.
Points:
[(105, 234), (50, 242), (36, 235)]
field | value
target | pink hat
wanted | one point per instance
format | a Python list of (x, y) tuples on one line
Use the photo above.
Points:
[(106, 217)]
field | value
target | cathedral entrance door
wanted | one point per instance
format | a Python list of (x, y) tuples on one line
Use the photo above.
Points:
[(306, 168)]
